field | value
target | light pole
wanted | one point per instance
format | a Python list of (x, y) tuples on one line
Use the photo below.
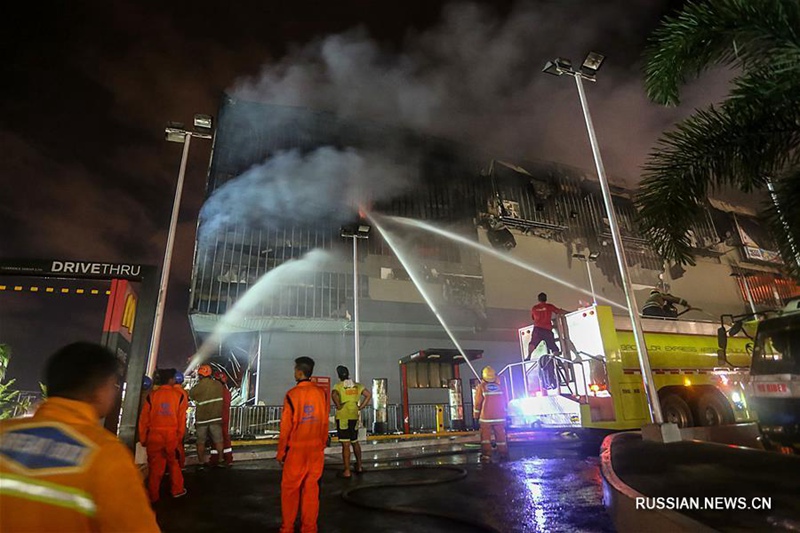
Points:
[(358, 231), (174, 132), (588, 71), (591, 258)]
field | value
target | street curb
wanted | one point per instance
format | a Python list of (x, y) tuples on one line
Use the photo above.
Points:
[(620, 502)]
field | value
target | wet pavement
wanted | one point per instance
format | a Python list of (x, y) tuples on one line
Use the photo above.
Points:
[(741, 477), (545, 488)]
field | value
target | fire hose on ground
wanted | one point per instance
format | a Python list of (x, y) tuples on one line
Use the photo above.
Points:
[(459, 473)]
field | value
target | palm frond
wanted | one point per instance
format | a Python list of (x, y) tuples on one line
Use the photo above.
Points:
[(745, 33), (781, 217), (738, 145)]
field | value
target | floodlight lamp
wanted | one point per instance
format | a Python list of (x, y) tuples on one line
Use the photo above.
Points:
[(363, 230), (203, 122), (592, 63), (558, 66), (579, 256), (174, 132), (593, 256)]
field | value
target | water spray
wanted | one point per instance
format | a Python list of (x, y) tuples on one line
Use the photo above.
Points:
[(418, 282), (266, 285), (494, 253)]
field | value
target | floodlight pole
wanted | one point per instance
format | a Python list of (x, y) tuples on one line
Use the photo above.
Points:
[(356, 321), (627, 285), (155, 339)]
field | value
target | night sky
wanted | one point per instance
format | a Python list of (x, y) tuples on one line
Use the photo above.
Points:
[(89, 86)]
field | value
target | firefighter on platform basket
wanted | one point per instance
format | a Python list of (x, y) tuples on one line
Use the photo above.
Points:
[(490, 410), (661, 304), (542, 315), (227, 447)]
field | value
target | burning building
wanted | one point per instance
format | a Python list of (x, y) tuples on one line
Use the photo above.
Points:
[(284, 181)]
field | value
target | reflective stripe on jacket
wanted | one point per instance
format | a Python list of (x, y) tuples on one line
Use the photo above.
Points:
[(61, 471), (208, 396)]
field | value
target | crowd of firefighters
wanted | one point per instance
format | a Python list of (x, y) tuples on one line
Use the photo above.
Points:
[(61, 470), (162, 425)]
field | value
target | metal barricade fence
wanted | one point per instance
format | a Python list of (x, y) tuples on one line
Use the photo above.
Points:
[(255, 421), (264, 420)]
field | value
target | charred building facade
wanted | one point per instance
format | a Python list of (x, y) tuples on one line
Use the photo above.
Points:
[(546, 215)]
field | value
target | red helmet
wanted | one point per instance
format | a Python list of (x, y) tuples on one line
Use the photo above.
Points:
[(204, 371), (221, 376)]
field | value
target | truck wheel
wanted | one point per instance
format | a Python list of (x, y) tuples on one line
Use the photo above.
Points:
[(713, 411), (677, 411)]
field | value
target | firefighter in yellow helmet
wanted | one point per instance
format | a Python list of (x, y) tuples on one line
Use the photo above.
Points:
[(490, 411)]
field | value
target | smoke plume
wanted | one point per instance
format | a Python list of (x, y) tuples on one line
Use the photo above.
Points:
[(325, 186), (476, 78)]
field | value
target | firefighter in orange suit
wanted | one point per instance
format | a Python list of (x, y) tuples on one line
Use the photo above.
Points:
[(227, 447), (301, 448), (61, 470), (490, 410), (161, 426), (185, 393)]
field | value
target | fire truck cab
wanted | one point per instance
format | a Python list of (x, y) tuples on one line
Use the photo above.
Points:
[(773, 388), (595, 383)]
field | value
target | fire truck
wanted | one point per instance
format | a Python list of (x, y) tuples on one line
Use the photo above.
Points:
[(773, 388), (595, 384)]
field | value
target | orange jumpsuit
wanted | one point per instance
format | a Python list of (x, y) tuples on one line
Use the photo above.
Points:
[(62, 471), (181, 449), (304, 434), (490, 410), (161, 424)]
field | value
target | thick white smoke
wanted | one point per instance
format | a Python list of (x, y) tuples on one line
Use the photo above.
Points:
[(326, 185)]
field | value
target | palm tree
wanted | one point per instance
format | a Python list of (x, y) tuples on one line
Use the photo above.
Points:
[(11, 403), (750, 140)]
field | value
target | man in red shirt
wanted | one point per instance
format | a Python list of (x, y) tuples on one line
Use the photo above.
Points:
[(301, 448), (542, 315)]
